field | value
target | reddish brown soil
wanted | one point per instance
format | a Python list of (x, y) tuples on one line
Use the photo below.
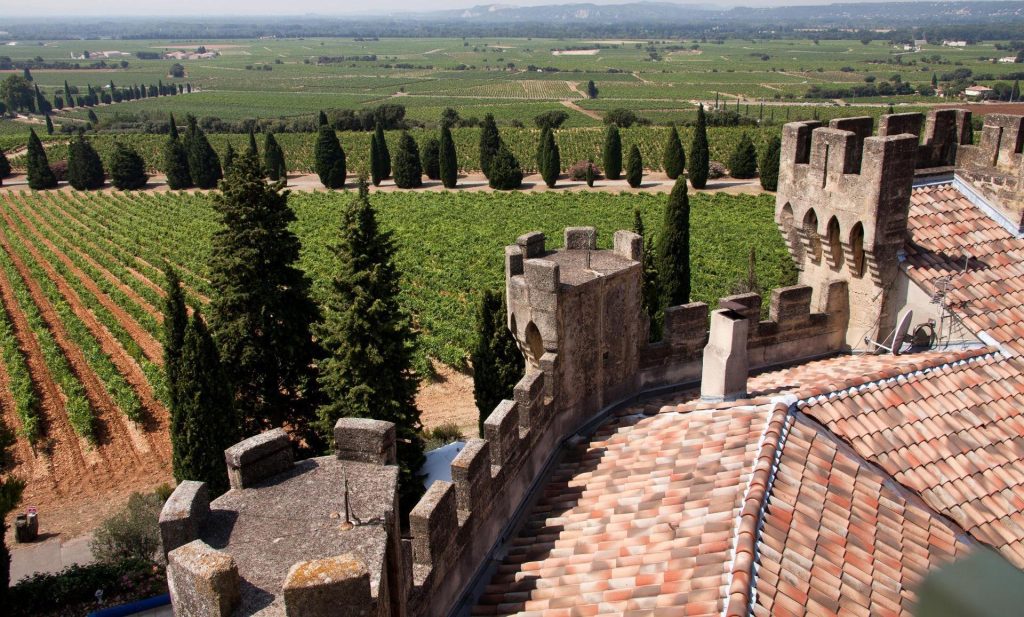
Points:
[(125, 457), (150, 347)]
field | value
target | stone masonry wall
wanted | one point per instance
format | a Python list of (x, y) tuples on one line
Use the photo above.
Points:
[(995, 167)]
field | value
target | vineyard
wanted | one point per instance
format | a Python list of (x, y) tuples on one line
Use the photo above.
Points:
[(81, 379)]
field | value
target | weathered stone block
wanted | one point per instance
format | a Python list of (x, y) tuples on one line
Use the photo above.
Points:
[(532, 244), (580, 238), (331, 586), (629, 245), (433, 523), (542, 274), (513, 261), (791, 306), (471, 474), (899, 124), (724, 373), (251, 473), (202, 581), (686, 323), (528, 393), (365, 440), (502, 431), (185, 510), (748, 305)]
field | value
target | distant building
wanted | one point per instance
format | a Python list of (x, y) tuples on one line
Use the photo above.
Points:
[(1008, 60), (978, 93), (954, 43)]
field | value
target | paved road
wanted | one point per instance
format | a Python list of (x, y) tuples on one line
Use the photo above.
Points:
[(49, 555)]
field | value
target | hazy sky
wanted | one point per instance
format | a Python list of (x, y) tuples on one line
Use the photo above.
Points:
[(241, 8)]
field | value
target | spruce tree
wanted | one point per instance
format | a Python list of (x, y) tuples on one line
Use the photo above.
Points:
[(85, 169), (490, 143), (674, 157), (769, 165), (261, 312), (49, 125), (497, 362), (203, 423), (431, 158), (448, 161), (506, 174), (127, 168), (11, 488), (650, 293), (700, 156), (743, 162), (368, 371), (330, 159), (203, 162), (674, 248), (40, 176), (175, 314), (634, 167), (612, 159), (407, 168), (273, 159)]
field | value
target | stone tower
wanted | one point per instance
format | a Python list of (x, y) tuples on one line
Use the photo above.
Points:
[(842, 205)]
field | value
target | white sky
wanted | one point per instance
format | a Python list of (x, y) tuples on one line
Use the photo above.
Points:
[(251, 8)]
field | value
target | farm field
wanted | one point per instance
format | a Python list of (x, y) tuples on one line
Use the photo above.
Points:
[(81, 291)]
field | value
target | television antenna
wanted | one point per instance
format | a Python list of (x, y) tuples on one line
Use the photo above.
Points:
[(895, 339)]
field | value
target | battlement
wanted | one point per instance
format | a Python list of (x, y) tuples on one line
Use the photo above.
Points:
[(945, 130), (995, 167)]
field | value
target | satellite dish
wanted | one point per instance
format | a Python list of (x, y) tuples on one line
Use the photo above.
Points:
[(895, 340)]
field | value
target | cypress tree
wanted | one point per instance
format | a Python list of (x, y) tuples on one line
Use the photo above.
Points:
[(321, 119), (127, 168), (330, 159), (649, 291), (273, 159), (490, 144), (674, 248), (11, 488), (506, 174), (431, 158), (252, 150), (591, 89), (634, 167), (85, 169), (261, 312), (612, 160), (49, 125), (67, 92), (407, 168), (448, 161), (40, 176), (769, 165), (674, 157), (496, 359), (549, 160), (368, 371), (743, 162), (203, 162), (380, 157), (700, 157), (203, 423), (590, 173), (175, 316), (92, 117), (1015, 92), (229, 157)]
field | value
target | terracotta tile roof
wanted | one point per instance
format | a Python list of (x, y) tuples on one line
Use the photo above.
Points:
[(988, 297), (954, 435), (838, 536), (642, 518)]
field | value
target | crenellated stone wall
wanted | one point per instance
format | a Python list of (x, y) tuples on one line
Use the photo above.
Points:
[(995, 167)]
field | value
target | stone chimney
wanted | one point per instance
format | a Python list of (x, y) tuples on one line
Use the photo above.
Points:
[(724, 375)]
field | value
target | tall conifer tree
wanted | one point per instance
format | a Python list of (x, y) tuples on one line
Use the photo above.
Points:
[(85, 169), (203, 162), (674, 157), (261, 312), (490, 143), (175, 160), (700, 156), (431, 158), (203, 422), (40, 176), (674, 248), (612, 159), (497, 362), (273, 159), (650, 294), (330, 159), (634, 167), (408, 169), (175, 314), (769, 165), (368, 338), (5, 167), (448, 161)]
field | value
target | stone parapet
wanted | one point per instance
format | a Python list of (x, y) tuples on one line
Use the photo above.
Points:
[(258, 457), (995, 167), (185, 510), (202, 581)]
